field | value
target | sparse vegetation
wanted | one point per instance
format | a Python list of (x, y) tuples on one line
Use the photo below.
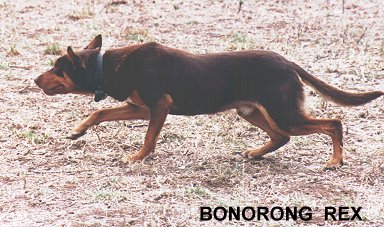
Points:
[(225, 174), (3, 66), (240, 41), (105, 194), (170, 137), (112, 9), (176, 7), (195, 191), (83, 13), (53, 49), (13, 51), (32, 137), (193, 22), (301, 141), (9, 76), (51, 62), (137, 35)]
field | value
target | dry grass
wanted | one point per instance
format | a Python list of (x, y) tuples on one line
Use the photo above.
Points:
[(48, 180)]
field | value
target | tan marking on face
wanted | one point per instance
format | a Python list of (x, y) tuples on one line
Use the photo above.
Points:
[(53, 84)]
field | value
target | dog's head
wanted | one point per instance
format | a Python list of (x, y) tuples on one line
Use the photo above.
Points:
[(69, 72)]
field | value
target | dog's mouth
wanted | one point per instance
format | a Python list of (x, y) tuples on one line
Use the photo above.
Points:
[(60, 89)]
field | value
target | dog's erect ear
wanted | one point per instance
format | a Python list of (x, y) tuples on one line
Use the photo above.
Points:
[(95, 43), (74, 58)]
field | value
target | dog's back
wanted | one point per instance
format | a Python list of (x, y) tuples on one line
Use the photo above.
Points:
[(208, 83)]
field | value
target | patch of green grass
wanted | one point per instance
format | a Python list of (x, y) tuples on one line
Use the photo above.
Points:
[(13, 51), (176, 7), (53, 49), (226, 172), (4, 66), (235, 142), (171, 137), (33, 137), (83, 13), (9, 77), (112, 9), (114, 180), (301, 141), (51, 62), (239, 38), (196, 191), (239, 41), (106, 194), (137, 35), (193, 22), (111, 190), (200, 122), (222, 203)]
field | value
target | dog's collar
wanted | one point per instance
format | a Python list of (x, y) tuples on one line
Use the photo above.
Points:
[(99, 80)]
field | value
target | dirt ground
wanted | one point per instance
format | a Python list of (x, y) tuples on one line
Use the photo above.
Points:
[(46, 179)]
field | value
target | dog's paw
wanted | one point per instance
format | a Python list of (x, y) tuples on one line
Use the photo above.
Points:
[(254, 154), (245, 153), (333, 164), (131, 158), (75, 135)]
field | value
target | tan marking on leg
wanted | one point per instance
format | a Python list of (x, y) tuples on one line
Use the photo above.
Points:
[(258, 119), (331, 127), (135, 98), (158, 114), (125, 112), (271, 123)]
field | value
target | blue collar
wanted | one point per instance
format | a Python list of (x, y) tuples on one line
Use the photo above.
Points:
[(99, 80)]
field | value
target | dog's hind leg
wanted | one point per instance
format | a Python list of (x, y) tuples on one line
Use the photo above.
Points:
[(331, 127), (125, 112), (258, 118)]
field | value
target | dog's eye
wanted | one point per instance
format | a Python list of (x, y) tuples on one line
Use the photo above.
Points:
[(59, 72)]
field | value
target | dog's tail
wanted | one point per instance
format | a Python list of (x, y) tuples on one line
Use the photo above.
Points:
[(334, 94)]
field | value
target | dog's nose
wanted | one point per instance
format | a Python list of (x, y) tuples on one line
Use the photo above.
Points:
[(37, 80)]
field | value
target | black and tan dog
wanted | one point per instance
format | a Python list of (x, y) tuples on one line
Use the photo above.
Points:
[(265, 88)]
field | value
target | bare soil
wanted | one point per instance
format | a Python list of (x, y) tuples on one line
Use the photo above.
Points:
[(46, 179)]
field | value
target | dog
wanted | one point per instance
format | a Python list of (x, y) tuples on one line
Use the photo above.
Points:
[(153, 80)]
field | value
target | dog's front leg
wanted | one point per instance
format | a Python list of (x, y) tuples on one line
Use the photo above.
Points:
[(125, 112), (158, 114)]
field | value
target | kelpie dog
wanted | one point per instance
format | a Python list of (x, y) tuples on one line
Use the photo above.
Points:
[(154, 80)]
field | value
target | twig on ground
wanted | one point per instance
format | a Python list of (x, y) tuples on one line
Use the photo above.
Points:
[(363, 33), (241, 2)]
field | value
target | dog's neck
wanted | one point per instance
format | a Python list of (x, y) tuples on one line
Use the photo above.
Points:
[(98, 79)]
